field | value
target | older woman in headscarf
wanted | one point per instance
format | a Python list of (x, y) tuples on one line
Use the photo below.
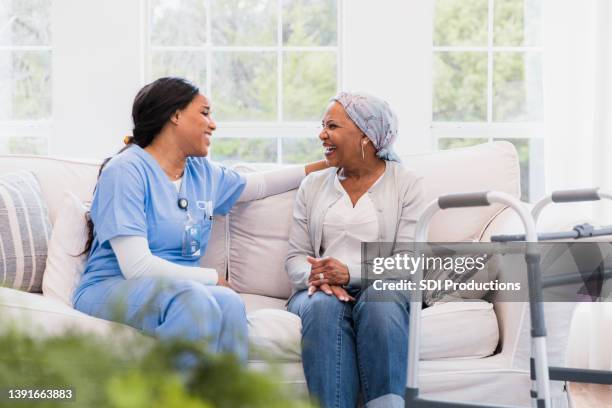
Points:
[(368, 196)]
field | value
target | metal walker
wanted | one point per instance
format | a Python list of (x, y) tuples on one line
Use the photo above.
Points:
[(579, 232), (540, 392)]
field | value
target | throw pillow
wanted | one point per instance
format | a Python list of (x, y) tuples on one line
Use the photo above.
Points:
[(24, 232), (65, 263)]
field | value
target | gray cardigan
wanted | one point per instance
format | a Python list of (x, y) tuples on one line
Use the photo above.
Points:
[(397, 198)]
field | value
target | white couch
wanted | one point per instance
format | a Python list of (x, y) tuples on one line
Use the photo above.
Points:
[(249, 245)]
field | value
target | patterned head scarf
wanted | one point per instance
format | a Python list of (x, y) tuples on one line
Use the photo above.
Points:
[(375, 118)]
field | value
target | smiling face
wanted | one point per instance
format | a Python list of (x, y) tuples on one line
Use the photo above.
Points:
[(194, 127), (342, 139)]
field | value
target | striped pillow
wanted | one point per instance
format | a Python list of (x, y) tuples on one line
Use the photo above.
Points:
[(24, 232)]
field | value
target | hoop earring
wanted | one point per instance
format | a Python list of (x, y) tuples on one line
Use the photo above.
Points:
[(362, 152)]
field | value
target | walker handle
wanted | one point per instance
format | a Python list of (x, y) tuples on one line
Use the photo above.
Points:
[(570, 196), (456, 200)]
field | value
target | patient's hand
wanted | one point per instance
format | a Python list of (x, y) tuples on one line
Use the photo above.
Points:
[(337, 291), (327, 270)]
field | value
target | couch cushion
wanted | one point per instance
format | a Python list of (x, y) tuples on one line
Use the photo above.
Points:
[(65, 261), (24, 232), (257, 302), (272, 330), (473, 325), (276, 333), (38, 314), (215, 256), (485, 167), (258, 243)]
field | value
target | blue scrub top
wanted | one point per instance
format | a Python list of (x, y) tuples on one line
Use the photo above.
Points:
[(135, 197)]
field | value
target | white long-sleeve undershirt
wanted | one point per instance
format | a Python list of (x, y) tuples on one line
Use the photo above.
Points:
[(136, 260), (267, 183)]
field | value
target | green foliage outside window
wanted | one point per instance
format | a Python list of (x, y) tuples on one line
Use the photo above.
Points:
[(244, 86), (251, 150), (455, 143), (240, 22), (309, 80), (302, 150), (310, 22), (460, 77), (460, 86), (460, 22)]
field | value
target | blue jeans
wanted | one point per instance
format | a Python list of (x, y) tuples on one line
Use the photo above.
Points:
[(345, 345), (170, 308)]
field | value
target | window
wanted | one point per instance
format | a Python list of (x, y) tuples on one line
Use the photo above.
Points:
[(487, 80), (269, 67), (25, 76)]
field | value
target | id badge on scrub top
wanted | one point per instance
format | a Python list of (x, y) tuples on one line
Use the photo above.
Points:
[(192, 237), (193, 231)]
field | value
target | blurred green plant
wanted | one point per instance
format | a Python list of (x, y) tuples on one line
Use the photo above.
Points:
[(130, 374)]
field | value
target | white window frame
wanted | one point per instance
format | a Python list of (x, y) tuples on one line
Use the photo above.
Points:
[(491, 130), (277, 129), (28, 128)]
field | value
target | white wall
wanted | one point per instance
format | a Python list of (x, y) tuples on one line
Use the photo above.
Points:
[(388, 53), (96, 74), (578, 98)]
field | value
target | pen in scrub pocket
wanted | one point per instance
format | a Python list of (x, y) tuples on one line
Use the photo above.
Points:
[(209, 209)]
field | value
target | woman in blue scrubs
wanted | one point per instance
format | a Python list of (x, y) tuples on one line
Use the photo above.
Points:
[(151, 218)]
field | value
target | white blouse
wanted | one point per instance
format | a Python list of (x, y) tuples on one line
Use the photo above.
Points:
[(344, 229)]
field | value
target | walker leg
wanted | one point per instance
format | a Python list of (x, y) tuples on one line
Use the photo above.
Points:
[(541, 394)]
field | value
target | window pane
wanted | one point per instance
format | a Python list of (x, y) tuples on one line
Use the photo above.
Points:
[(23, 145), (244, 22), (301, 150), (178, 22), (530, 153), (461, 22), (25, 22), (310, 22), (460, 86), (309, 80), (517, 22), (452, 143), (186, 64), (253, 150), (25, 79), (517, 87), (244, 85), (6, 85), (522, 148)]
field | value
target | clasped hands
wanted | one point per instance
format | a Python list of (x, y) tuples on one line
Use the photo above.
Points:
[(328, 275)]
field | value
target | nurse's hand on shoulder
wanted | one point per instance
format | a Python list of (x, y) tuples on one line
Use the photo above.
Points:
[(316, 166), (223, 282)]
